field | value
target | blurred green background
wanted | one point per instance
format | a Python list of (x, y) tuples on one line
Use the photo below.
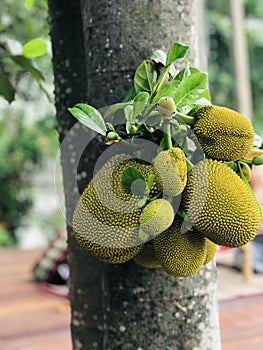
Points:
[(28, 140)]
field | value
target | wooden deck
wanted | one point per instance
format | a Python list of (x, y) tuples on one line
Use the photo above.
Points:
[(31, 319)]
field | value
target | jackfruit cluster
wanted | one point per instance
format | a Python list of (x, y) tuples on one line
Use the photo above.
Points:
[(172, 168), (220, 205), (106, 218), (156, 217), (223, 134)]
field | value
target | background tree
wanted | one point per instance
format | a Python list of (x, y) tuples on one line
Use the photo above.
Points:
[(96, 48), (220, 67)]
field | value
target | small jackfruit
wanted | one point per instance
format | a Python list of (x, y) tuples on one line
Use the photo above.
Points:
[(106, 218), (172, 168), (223, 134), (146, 256), (156, 217), (166, 106), (211, 249), (180, 254), (220, 205)]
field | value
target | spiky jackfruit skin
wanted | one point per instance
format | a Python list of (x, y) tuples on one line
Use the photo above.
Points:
[(220, 205), (156, 217), (211, 249), (180, 254), (106, 218), (146, 256), (223, 134), (171, 166)]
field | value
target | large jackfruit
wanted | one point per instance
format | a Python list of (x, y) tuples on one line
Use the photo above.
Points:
[(223, 134), (171, 166), (180, 254), (220, 205), (156, 217), (146, 256), (106, 218)]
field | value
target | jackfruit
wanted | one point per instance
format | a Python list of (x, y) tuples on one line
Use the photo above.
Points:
[(223, 134), (156, 217), (180, 254), (166, 106), (211, 249), (106, 218), (220, 205), (146, 256), (172, 168)]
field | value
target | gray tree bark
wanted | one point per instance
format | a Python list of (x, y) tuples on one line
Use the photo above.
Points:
[(96, 47)]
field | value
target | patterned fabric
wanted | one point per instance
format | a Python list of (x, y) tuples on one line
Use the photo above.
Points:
[(52, 267)]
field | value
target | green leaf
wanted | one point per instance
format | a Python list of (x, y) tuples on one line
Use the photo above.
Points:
[(191, 89), (29, 4), (159, 56), (34, 48), (128, 113), (150, 181), (167, 89), (133, 181), (145, 77), (140, 101), (114, 108), (89, 116), (129, 96), (160, 82), (6, 88), (28, 66), (176, 52)]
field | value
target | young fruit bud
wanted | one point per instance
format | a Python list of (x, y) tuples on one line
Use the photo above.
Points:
[(133, 129), (246, 170), (258, 160), (112, 135), (166, 106)]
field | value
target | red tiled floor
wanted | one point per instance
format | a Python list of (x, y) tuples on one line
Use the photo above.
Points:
[(241, 323), (29, 318), (34, 320)]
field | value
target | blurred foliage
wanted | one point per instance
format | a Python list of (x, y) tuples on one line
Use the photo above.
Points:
[(220, 65), (27, 126), (23, 39), (19, 152)]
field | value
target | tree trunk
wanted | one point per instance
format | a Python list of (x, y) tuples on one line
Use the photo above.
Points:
[(96, 47)]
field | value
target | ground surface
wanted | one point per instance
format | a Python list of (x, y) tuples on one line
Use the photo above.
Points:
[(31, 319)]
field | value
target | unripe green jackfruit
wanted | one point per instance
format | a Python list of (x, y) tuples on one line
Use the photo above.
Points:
[(180, 254), (220, 205), (106, 219), (146, 256), (223, 134), (166, 106), (156, 217), (172, 168)]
